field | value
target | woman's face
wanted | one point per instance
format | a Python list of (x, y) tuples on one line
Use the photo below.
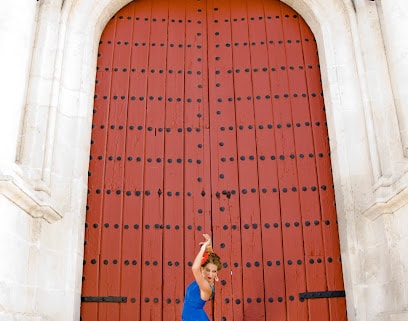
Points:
[(210, 272)]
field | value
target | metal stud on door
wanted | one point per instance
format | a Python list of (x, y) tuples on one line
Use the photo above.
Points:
[(209, 117)]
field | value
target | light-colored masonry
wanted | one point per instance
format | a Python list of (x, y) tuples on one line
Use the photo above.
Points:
[(47, 63)]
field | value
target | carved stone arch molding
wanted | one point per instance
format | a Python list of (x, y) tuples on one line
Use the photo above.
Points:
[(58, 127), (50, 167)]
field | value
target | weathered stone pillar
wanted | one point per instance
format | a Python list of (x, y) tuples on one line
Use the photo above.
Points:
[(17, 32), (394, 16)]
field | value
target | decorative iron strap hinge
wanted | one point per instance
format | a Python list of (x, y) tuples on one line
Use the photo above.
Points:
[(114, 299), (321, 295)]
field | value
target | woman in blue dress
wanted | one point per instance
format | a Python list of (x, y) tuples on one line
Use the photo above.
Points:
[(205, 268)]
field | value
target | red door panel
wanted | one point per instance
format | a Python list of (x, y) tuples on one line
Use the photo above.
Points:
[(209, 117)]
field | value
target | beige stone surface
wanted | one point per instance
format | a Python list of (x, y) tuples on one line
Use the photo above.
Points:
[(47, 83)]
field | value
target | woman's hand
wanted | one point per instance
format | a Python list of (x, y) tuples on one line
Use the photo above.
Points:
[(207, 244)]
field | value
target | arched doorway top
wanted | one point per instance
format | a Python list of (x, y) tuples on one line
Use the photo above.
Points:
[(95, 14)]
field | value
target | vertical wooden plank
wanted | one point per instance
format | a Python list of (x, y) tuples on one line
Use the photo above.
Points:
[(252, 258), (134, 169), (113, 184), (127, 275), (287, 171), (224, 167), (173, 289), (197, 192), (151, 294), (97, 161), (274, 277), (324, 186), (306, 165)]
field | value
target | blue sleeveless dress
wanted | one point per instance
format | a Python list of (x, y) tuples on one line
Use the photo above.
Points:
[(193, 306)]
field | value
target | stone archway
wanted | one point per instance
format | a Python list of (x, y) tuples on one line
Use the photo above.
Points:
[(76, 83)]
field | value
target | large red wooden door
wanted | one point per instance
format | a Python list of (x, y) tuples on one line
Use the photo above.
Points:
[(209, 117)]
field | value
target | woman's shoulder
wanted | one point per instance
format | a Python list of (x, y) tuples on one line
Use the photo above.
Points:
[(193, 284)]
